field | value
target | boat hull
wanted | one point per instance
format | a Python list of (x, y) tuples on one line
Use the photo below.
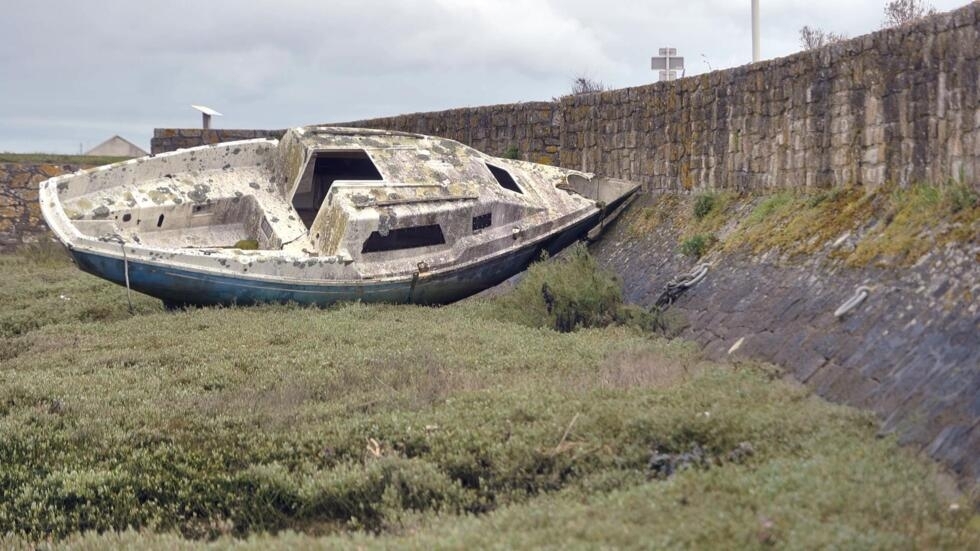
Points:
[(179, 286)]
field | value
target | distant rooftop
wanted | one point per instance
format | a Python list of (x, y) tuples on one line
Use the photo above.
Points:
[(117, 146)]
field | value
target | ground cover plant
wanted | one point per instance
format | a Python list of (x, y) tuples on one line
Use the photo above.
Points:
[(888, 225), (472, 425)]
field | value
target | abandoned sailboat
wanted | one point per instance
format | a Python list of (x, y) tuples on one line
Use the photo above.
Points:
[(322, 215)]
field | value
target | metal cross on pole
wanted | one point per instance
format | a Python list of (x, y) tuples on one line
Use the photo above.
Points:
[(667, 64)]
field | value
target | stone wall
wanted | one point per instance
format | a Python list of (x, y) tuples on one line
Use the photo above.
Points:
[(531, 128), (900, 105), (171, 139), (534, 129), (20, 214)]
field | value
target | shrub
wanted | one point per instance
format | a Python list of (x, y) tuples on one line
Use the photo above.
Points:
[(961, 197), (512, 153), (566, 293), (703, 205), (569, 293), (586, 85), (696, 245)]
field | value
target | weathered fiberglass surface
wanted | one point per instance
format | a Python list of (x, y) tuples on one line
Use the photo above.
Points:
[(379, 209)]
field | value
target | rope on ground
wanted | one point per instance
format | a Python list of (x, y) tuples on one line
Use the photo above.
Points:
[(853, 302), (675, 287)]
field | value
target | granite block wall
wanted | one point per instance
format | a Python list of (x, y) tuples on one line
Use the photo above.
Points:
[(172, 139), (20, 213), (897, 106)]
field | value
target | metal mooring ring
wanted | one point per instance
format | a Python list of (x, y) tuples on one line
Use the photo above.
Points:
[(853, 302)]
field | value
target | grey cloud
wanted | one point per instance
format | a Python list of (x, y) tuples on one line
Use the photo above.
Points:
[(73, 71)]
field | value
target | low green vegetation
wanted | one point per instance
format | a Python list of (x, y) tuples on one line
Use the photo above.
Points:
[(888, 225), (246, 244), (696, 245), (42, 288), (770, 205), (512, 153), (704, 204), (918, 219), (402, 426), (570, 293), (961, 198)]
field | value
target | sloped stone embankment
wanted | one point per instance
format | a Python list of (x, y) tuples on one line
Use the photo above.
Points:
[(910, 352)]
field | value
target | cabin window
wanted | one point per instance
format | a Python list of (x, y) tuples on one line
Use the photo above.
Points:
[(482, 221), (328, 167), (404, 238), (504, 178)]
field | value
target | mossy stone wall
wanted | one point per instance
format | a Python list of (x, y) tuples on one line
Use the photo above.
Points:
[(897, 106), (20, 213)]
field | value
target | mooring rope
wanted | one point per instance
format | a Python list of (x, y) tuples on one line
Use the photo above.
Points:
[(129, 297), (853, 302), (116, 238), (676, 286)]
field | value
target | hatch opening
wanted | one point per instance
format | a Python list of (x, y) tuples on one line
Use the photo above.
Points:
[(328, 167)]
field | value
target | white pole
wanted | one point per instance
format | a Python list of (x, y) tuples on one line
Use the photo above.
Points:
[(756, 56)]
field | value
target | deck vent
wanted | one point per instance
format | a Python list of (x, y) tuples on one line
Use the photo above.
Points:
[(404, 238), (504, 178), (482, 221)]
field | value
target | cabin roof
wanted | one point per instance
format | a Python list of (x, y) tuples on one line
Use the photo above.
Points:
[(403, 157)]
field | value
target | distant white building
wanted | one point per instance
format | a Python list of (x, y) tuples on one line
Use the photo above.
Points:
[(116, 146)]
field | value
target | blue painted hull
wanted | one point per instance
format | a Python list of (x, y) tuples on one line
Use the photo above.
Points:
[(177, 286)]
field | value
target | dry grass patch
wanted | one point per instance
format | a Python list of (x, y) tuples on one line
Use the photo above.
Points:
[(402, 426), (912, 221)]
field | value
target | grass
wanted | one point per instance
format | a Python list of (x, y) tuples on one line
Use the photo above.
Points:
[(403, 426), (771, 205), (49, 158), (888, 226), (919, 219), (885, 226), (43, 288)]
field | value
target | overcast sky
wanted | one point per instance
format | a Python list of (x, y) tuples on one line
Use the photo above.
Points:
[(73, 73)]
